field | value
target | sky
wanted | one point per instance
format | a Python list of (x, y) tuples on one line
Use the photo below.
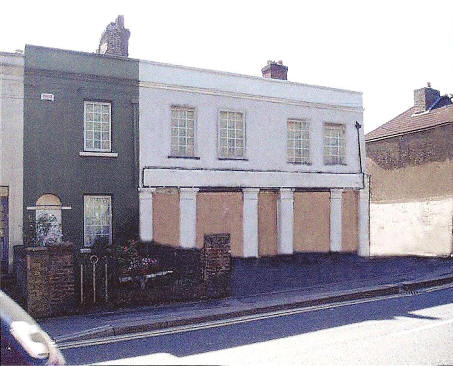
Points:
[(385, 49)]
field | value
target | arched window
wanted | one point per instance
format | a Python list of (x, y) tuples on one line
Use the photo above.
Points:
[(48, 219)]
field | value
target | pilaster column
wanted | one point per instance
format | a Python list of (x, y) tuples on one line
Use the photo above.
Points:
[(285, 220), (188, 217), (250, 222), (364, 216), (335, 220), (146, 213)]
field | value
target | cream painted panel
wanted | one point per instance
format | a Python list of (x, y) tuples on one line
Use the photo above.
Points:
[(166, 217), (218, 213), (350, 221), (311, 222), (412, 228), (267, 223)]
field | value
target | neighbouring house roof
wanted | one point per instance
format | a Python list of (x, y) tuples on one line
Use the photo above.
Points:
[(408, 121)]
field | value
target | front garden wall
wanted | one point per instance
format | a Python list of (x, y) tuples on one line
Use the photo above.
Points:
[(52, 281), (181, 275), (47, 279)]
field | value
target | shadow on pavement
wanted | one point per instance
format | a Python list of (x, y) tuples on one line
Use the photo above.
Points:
[(251, 276)]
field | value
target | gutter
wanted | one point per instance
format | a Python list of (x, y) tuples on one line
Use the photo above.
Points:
[(407, 132)]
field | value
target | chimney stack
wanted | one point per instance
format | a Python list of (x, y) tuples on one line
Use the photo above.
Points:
[(115, 39), (275, 70), (424, 98)]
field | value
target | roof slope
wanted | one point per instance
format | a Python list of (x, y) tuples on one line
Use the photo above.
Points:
[(408, 122)]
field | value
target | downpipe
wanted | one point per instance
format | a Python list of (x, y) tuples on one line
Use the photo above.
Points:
[(358, 126)]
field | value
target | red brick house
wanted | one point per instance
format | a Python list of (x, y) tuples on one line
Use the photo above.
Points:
[(410, 160)]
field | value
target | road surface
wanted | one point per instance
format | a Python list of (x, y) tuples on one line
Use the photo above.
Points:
[(406, 329)]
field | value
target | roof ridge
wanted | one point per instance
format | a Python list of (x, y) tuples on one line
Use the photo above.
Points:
[(390, 120), (406, 122)]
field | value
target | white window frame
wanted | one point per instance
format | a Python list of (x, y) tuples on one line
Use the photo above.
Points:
[(292, 143), (172, 128), (86, 131), (91, 196), (339, 158), (219, 136)]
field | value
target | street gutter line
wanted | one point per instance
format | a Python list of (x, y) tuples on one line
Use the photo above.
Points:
[(232, 321)]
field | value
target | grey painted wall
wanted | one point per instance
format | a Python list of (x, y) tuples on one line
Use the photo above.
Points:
[(53, 134)]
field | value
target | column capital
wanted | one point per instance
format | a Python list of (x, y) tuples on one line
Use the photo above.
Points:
[(188, 193), (146, 193), (250, 193), (364, 193), (335, 194), (286, 193)]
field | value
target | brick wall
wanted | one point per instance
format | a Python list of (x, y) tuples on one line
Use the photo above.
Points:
[(49, 280), (196, 274), (412, 149), (216, 258), (425, 98), (115, 38), (275, 70), (411, 193), (412, 166)]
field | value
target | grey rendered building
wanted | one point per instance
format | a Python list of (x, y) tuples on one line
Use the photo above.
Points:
[(80, 142)]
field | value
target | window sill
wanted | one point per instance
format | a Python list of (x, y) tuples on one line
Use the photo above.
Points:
[(338, 164), (183, 157), (243, 159), (297, 163), (99, 154)]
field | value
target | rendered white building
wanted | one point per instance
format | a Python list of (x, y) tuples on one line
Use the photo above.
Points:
[(11, 153), (277, 164)]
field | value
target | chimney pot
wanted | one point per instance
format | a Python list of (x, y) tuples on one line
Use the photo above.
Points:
[(120, 21)]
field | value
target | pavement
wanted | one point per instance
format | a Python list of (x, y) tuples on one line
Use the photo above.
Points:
[(260, 286)]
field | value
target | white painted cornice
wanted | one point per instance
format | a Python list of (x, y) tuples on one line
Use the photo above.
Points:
[(260, 98), (145, 63)]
